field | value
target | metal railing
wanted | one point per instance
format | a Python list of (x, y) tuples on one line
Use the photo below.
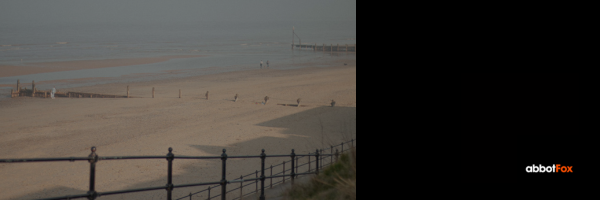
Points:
[(93, 158)]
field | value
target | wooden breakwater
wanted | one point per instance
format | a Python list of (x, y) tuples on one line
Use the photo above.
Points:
[(327, 48), (23, 92), (34, 92)]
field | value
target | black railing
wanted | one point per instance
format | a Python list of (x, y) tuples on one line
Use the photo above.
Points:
[(93, 158)]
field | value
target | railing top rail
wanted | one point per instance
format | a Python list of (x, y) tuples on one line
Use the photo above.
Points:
[(130, 157), (141, 157), (43, 159), (199, 157)]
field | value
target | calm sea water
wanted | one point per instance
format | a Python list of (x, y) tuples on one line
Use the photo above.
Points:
[(228, 45)]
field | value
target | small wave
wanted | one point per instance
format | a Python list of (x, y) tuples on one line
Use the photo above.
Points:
[(6, 45), (61, 42)]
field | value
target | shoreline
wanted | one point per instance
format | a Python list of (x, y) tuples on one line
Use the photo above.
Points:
[(45, 67), (167, 74)]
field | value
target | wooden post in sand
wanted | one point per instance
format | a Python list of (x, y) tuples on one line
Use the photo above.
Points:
[(32, 88), (152, 92), (18, 85), (180, 93), (128, 91)]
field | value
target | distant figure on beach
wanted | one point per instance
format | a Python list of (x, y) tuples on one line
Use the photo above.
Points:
[(267, 63), (266, 99), (332, 103), (206, 95), (261, 64), (53, 91), (236, 97), (298, 102)]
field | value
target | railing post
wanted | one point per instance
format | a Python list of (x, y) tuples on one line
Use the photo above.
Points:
[(262, 175), (309, 162), (296, 163), (336, 155), (223, 180), (317, 160), (331, 156), (169, 188), (93, 159), (342, 147), (321, 160), (292, 174), (190, 196)]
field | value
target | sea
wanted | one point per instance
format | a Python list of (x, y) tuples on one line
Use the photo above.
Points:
[(225, 45)]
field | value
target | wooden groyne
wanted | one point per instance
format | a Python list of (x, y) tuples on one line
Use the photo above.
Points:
[(46, 94), (327, 48), (33, 92)]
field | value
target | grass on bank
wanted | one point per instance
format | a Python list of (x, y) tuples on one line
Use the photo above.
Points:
[(337, 181)]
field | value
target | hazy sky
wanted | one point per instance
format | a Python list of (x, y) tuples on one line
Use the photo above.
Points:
[(160, 11)]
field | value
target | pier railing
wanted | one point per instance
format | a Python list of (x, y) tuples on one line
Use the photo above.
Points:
[(93, 159)]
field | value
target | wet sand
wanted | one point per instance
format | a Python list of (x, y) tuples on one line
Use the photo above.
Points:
[(191, 125), (45, 67)]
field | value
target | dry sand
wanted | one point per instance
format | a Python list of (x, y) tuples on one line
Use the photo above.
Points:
[(192, 125), (45, 67)]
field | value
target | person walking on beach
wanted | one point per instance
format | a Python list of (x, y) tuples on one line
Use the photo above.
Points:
[(53, 91), (267, 63), (261, 64)]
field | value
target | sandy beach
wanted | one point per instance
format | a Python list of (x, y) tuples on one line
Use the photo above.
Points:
[(44, 67), (191, 125)]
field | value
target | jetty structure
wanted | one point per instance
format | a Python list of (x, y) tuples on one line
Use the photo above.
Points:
[(323, 47)]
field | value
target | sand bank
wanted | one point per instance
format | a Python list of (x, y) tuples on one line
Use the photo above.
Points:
[(45, 67), (191, 125)]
